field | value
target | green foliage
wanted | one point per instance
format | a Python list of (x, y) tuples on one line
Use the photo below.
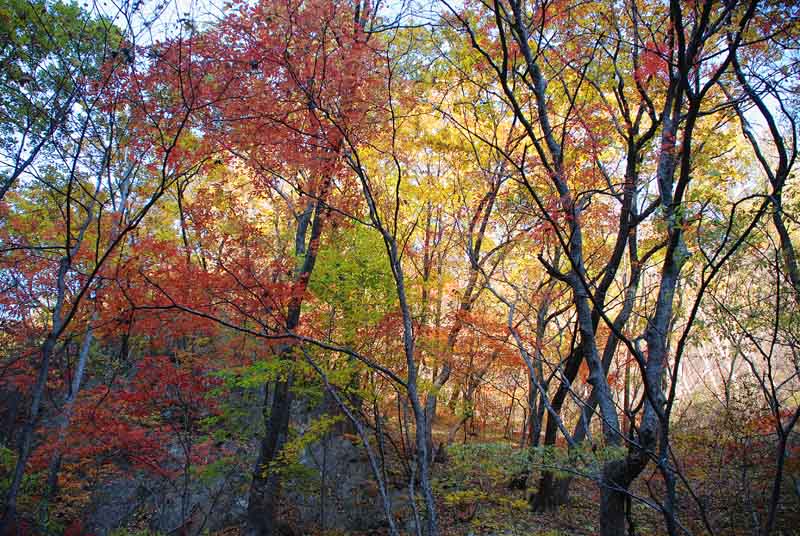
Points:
[(472, 483), (7, 458), (45, 48), (259, 373), (288, 463), (51, 526), (241, 391), (32, 483), (352, 276), (489, 463), (211, 472), (133, 532), (584, 458)]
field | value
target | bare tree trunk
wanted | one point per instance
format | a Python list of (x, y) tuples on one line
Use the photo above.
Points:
[(11, 401), (377, 472), (265, 487), (8, 524), (551, 494), (512, 403), (69, 404), (469, 409), (612, 511), (263, 500)]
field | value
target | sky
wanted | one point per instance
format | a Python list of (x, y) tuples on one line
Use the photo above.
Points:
[(156, 19)]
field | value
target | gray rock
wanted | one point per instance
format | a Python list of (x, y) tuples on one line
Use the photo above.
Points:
[(347, 497), (114, 504), (340, 495), (162, 505)]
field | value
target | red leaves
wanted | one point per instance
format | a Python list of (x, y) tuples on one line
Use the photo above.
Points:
[(76, 529), (278, 83), (141, 420), (653, 63)]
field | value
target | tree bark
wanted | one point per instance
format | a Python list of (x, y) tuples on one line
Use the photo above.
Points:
[(262, 505), (262, 517), (8, 523), (550, 494)]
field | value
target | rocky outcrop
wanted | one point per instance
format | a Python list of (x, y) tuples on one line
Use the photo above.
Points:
[(338, 492), (145, 501), (347, 496)]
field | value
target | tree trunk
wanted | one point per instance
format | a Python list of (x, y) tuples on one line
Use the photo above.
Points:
[(535, 413), (550, 496), (11, 400), (431, 400), (471, 293), (264, 489), (552, 493), (69, 405), (8, 523), (469, 410), (612, 512)]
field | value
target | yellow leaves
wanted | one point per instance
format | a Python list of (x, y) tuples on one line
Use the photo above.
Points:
[(720, 161)]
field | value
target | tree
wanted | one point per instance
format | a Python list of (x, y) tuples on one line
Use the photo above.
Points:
[(51, 50), (378, 210), (100, 192), (530, 50), (289, 76)]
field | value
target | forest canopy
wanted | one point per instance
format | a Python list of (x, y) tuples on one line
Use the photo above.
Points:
[(436, 268)]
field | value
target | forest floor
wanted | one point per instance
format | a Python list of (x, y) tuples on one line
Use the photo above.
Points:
[(480, 490), (508, 514), (476, 495)]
